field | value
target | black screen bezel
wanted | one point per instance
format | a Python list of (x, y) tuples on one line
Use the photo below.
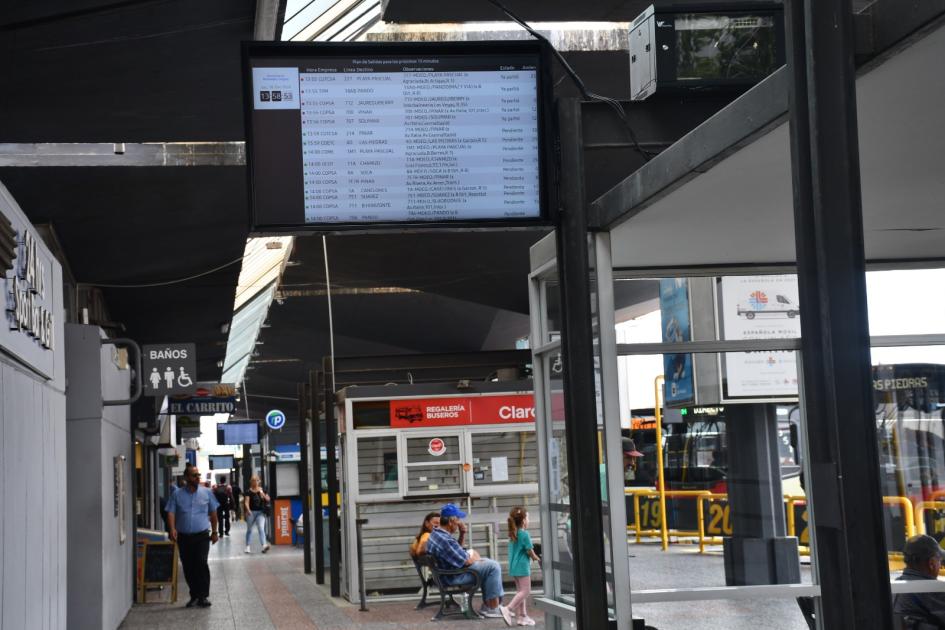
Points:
[(547, 189), (667, 59), (222, 432)]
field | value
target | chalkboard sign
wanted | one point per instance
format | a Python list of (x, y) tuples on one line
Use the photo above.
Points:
[(160, 563)]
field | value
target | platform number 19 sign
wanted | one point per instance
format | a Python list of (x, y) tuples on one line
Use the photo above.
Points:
[(275, 419)]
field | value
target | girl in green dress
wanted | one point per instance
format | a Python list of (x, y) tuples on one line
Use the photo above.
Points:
[(521, 553)]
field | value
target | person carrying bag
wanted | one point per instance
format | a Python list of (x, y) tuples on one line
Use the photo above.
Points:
[(256, 506)]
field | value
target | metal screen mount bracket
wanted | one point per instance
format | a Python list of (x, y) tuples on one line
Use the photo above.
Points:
[(133, 345)]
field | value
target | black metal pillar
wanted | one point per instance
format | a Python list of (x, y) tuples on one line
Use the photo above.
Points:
[(304, 398), (844, 479), (334, 526), (315, 387), (577, 343), (759, 551), (247, 468)]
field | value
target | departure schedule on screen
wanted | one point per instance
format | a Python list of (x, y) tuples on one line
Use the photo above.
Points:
[(396, 139)]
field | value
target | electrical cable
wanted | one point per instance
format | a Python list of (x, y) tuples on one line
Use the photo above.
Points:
[(587, 94), (163, 283)]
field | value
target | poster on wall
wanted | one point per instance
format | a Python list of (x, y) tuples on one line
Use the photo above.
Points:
[(282, 521), (119, 499), (759, 307), (679, 385)]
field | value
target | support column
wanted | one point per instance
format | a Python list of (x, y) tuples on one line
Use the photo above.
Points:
[(758, 552), (304, 398), (844, 484), (334, 524), (577, 345), (315, 386)]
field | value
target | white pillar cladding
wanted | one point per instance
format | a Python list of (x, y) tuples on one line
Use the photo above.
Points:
[(32, 429), (100, 524)]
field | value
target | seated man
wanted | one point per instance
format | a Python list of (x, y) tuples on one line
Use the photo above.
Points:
[(923, 557), (449, 555)]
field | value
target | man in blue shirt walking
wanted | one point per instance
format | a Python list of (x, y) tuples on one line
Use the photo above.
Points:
[(191, 514)]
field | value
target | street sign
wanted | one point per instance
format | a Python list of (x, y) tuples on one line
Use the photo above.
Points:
[(169, 368), (275, 419)]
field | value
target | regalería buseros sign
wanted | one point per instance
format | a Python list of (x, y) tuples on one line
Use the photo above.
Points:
[(27, 312)]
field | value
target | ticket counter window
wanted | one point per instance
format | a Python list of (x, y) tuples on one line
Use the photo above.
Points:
[(434, 464), (377, 465), (504, 458)]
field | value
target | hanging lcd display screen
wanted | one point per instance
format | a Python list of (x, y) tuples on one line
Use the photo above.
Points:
[(355, 136)]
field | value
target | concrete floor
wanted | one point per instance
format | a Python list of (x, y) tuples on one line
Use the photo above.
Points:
[(681, 566), (271, 591)]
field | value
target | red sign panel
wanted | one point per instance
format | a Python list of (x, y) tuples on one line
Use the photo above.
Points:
[(282, 521), (451, 412)]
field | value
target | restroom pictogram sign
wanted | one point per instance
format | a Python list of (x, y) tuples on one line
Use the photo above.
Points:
[(169, 368)]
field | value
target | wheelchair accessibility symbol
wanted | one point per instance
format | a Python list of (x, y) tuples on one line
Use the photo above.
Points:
[(275, 419)]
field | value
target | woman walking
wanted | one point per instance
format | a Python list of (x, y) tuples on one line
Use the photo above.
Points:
[(256, 508), (521, 553)]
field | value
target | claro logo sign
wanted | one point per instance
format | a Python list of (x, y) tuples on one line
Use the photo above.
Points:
[(512, 412)]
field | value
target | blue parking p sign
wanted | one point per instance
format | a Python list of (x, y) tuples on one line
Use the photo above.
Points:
[(275, 419)]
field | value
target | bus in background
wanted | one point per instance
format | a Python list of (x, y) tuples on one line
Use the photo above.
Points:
[(910, 429)]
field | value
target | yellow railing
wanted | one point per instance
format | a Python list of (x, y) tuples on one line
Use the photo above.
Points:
[(920, 509), (908, 513), (700, 517), (911, 515), (660, 479), (663, 532)]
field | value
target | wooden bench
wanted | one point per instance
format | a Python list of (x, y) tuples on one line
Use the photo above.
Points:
[(448, 591)]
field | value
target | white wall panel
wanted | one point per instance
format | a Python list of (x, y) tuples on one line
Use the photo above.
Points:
[(32, 534)]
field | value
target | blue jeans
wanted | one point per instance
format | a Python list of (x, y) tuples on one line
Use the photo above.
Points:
[(256, 520), (491, 574)]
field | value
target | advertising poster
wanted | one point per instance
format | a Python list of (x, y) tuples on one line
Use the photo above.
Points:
[(282, 521), (679, 387), (760, 307)]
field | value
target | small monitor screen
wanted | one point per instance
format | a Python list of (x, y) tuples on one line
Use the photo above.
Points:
[(231, 433), (222, 462), (400, 134), (726, 47)]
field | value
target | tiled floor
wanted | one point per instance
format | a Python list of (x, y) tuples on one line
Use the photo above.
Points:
[(271, 591)]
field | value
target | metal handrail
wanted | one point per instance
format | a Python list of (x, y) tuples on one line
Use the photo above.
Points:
[(663, 530), (907, 510), (131, 343), (920, 509), (700, 516)]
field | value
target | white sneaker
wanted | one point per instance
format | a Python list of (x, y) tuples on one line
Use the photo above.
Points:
[(265, 548), (506, 614), (248, 550), (526, 621), (492, 613)]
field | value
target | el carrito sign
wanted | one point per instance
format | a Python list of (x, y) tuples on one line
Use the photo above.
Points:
[(448, 412)]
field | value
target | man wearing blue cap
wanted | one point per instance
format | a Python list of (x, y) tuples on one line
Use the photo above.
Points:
[(449, 555)]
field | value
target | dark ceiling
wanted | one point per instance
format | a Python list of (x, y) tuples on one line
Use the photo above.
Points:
[(168, 71), (141, 71), (138, 71)]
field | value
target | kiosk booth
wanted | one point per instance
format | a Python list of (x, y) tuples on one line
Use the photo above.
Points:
[(408, 449)]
